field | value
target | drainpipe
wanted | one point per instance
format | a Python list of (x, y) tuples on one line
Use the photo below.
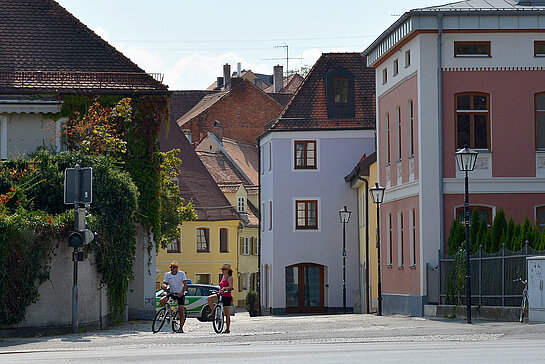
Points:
[(366, 207), (440, 119)]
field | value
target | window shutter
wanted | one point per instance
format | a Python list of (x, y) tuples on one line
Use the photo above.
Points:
[(241, 246), (252, 242)]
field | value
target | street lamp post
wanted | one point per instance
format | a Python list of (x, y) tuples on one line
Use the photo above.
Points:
[(377, 194), (344, 214), (466, 158)]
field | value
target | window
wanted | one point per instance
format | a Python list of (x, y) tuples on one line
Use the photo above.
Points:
[(202, 278), (340, 90), (223, 240), (472, 121), (175, 246), (306, 214), (412, 224), (340, 94), (398, 122), (471, 49), (255, 246), (408, 58), (3, 137), (540, 120), (262, 160), (388, 138), (203, 239), (262, 220), (539, 48), (396, 67), (389, 240), (244, 245), (384, 76), (270, 156), (540, 217), (305, 154), (410, 113), (400, 240), (484, 212), (241, 206), (270, 215)]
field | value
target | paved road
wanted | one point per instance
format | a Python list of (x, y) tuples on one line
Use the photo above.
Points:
[(316, 339)]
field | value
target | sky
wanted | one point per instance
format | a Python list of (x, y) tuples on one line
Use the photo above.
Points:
[(189, 41)]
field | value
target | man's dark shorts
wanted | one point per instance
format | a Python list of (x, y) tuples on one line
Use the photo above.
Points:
[(180, 300), (226, 301)]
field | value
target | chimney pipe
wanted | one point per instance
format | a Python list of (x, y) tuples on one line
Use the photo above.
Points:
[(219, 83), (226, 74), (278, 78), (239, 72)]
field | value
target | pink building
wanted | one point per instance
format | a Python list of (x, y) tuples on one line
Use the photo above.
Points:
[(470, 72)]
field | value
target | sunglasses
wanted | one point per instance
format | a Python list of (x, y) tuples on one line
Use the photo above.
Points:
[(173, 267)]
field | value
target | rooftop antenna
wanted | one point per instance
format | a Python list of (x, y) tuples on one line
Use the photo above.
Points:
[(284, 45)]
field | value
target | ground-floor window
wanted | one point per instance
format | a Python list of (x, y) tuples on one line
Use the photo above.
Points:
[(202, 278)]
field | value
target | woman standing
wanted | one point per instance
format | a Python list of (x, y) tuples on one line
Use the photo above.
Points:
[(226, 285)]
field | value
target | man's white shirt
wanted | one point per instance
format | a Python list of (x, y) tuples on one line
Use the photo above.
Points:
[(175, 281)]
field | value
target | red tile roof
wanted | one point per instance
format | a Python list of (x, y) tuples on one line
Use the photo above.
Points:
[(307, 109), (44, 47), (196, 184)]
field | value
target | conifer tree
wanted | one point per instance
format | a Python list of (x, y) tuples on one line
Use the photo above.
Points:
[(499, 230)]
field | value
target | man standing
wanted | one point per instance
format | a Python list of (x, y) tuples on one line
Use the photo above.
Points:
[(177, 281)]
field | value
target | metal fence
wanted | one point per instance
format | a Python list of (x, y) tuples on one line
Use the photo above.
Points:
[(492, 276)]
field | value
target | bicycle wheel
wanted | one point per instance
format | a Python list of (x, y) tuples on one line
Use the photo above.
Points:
[(523, 308), (177, 321), (159, 320), (217, 320)]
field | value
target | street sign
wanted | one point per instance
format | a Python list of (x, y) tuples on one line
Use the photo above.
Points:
[(78, 185)]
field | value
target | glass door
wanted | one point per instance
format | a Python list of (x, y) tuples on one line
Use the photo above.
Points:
[(305, 288)]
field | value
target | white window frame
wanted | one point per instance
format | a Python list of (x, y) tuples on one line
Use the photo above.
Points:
[(400, 239), (209, 239), (262, 160), (399, 135), (389, 239), (270, 214), (396, 67), (179, 241), (262, 221), (270, 156), (412, 237), (241, 204), (245, 243), (410, 117), (388, 141), (407, 58), (317, 158)]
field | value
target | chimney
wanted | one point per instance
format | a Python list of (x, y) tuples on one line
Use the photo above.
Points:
[(217, 130), (239, 72), (219, 83), (278, 78), (226, 74)]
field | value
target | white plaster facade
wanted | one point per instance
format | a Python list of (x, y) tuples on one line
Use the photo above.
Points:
[(281, 185)]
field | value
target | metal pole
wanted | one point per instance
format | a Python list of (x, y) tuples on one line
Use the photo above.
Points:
[(344, 267), (75, 254), (468, 274), (378, 260)]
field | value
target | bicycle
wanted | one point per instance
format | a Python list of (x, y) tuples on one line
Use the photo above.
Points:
[(218, 315), (524, 305), (169, 313)]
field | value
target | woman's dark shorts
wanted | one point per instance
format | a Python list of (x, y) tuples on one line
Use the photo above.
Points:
[(226, 301)]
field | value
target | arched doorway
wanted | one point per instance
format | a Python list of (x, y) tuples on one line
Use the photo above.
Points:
[(305, 288)]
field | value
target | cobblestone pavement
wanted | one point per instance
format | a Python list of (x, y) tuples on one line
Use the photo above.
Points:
[(296, 328), (301, 330)]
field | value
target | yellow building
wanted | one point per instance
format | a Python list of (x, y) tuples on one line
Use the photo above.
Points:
[(206, 244), (362, 178), (233, 165)]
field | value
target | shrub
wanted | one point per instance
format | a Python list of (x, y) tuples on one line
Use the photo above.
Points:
[(252, 304)]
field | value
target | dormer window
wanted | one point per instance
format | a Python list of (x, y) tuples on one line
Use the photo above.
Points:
[(241, 204), (339, 84), (341, 90)]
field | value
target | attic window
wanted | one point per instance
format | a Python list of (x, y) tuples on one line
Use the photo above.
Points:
[(472, 49), (241, 204), (341, 90), (340, 97)]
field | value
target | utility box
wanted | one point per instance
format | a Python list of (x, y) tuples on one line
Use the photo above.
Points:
[(536, 294)]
